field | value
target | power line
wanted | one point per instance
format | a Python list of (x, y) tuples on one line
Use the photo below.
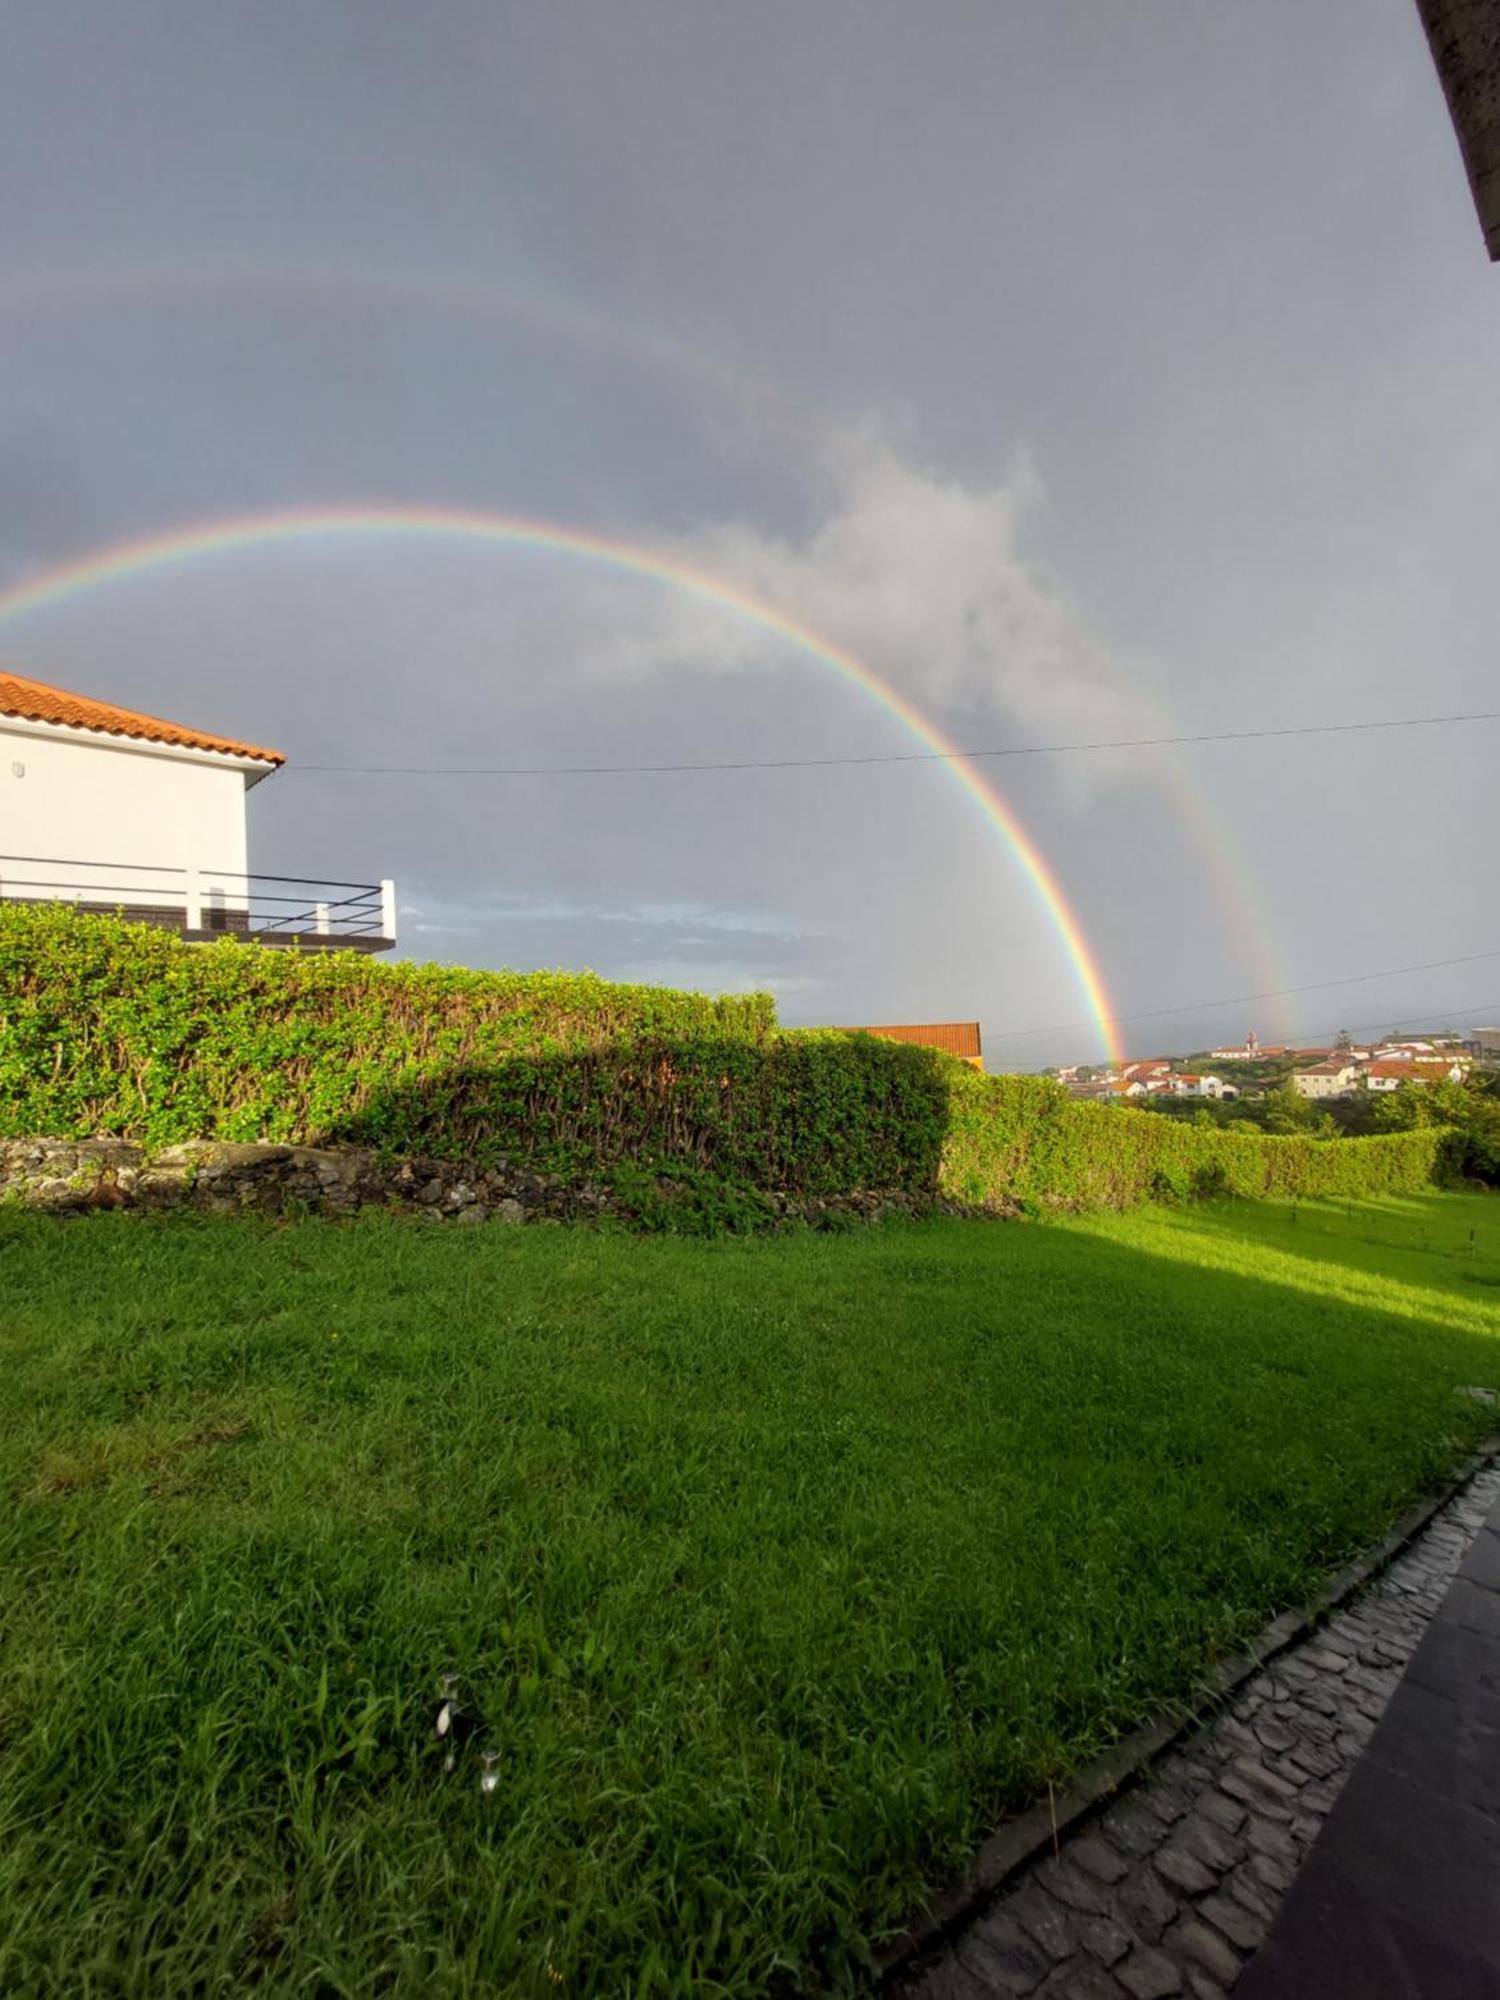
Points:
[(898, 757), (1444, 1015), (1242, 999), (961, 756)]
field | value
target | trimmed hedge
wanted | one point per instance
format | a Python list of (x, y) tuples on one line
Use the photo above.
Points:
[(1024, 1140), (115, 1028), (110, 1027)]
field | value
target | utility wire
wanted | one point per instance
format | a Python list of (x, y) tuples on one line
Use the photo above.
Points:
[(1445, 1017), (961, 756), (898, 757), (1240, 999)]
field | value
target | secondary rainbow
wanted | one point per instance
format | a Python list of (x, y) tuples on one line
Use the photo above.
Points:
[(775, 420), (129, 559), (790, 430)]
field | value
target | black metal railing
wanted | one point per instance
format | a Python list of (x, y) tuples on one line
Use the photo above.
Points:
[(204, 902)]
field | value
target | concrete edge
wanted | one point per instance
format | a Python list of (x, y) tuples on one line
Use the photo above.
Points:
[(1022, 1840)]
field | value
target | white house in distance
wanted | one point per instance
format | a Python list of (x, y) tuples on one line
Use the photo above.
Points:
[(1186, 1084), (1398, 1072), (1333, 1078), (1247, 1051), (109, 809)]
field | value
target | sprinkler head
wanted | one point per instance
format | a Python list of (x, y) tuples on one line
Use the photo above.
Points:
[(445, 1720), (452, 1723)]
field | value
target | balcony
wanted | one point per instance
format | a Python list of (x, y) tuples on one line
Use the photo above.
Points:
[(294, 912)]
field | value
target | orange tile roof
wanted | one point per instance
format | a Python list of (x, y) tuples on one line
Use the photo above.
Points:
[(956, 1038), (34, 701)]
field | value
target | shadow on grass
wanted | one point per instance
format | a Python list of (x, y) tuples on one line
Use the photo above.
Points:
[(812, 1116), (812, 1556)]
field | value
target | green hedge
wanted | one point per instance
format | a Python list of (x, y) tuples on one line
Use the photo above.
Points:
[(1024, 1140), (112, 1027)]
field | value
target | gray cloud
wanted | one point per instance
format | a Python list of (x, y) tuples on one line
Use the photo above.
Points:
[(1077, 367)]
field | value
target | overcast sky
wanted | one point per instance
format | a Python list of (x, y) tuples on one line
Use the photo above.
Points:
[(1088, 369)]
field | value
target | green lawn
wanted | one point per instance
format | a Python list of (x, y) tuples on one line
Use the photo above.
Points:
[(780, 1568)]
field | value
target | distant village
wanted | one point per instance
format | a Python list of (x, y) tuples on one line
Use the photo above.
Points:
[(1341, 1070)]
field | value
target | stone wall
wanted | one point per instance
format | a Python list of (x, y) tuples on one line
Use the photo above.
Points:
[(64, 1176)]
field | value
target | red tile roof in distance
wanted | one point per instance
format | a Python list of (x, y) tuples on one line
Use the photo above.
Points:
[(34, 701), (955, 1038)]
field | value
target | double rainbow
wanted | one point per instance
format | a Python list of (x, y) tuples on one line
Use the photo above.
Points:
[(151, 553)]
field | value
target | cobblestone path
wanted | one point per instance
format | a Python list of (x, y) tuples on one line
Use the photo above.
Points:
[(1169, 1889)]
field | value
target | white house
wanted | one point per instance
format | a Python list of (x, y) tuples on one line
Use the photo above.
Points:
[(1246, 1051), (1147, 1067), (1394, 1074), (1186, 1084), (1326, 1079), (108, 809)]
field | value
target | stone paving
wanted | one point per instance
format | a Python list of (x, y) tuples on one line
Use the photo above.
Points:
[(1175, 1884), (1400, 1896)]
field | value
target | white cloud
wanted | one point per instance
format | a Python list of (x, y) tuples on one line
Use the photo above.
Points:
[(685, 918), (923, 577), (703, 917)]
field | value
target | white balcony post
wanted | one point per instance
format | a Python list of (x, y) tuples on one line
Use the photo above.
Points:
[(322, 923), (192, 914), (388, 910)]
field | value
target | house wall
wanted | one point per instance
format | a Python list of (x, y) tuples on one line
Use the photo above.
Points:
[(1309, 1084), (81, 801), (1418, 1075)]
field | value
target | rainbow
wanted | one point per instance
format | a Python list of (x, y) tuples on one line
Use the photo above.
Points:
[(759, 412), (124, 560)]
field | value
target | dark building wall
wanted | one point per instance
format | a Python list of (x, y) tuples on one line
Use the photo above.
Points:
[(1465, 40)]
